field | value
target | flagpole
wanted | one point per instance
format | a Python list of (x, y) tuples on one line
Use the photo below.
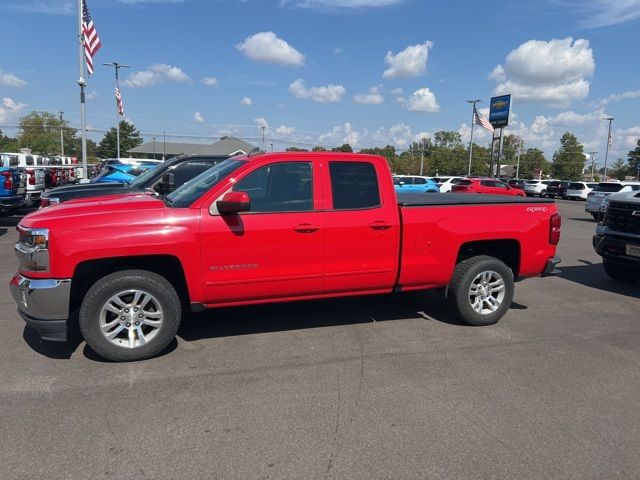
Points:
[(117, 66), (606, 154), (473, 118), (82, 83)]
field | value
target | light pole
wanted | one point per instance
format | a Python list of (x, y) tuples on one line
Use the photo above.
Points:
[(606, 154), (473, 118), (117, 66), (154, 148), (263, 128), (61, 135), (518, 164), (422, 157), (593, 163)]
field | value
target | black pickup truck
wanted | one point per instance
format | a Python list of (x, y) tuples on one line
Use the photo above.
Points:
[(163, 179)]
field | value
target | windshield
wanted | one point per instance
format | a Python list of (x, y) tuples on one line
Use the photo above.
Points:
[(188, 193), (141, 179)]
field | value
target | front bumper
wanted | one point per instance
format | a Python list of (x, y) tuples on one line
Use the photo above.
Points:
[(614, 249), (550, 267), (9, 203), (43, 304), (33, 195)]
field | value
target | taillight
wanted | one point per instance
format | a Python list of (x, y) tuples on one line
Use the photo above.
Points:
[(8, 181), (554, 228), (32, 176), (44, 202)]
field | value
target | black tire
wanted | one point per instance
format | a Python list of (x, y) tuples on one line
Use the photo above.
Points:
[(110, 285), (543, 193), (620, 272), (463, 276)]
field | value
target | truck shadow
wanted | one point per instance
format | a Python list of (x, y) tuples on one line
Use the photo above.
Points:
[(227, 322), (3, 231), (592, 275)]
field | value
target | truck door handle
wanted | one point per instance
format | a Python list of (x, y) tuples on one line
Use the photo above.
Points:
[(306, 228), (380, 225)]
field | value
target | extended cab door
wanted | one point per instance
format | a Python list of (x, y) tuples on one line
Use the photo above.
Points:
[(362, 226), (276, 248)]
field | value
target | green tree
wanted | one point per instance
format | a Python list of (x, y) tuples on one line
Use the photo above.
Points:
[(40, 131), (344, 148), (295, 149), (568, 161), (618, 170), (533, 163), (388, 152), (318, 149), (129, 138), (8, 144), (511, 144)]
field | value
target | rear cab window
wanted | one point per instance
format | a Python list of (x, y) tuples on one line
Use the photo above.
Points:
[(354, 185)]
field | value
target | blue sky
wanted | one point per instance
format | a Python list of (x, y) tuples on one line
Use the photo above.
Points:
[(367, 72)]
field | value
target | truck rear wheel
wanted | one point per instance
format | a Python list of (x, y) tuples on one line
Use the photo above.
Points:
[(130, 315), (481, 290), (620, 272)]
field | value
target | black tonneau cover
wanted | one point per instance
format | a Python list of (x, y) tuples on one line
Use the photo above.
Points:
[(413, 199)]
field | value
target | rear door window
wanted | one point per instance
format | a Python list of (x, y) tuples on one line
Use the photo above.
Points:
[(576, 186), (419, 181), (354, 185)]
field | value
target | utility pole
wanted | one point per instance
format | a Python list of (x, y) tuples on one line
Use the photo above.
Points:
[(473, 118), (422, 158), (518, 164), (164, 145), (117, 66), (593, 163), (606, 154), (61, 135), (263, 128), (271, 146), (154, 148)]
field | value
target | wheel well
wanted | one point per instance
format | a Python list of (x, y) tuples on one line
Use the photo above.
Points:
[(506, 250), (89, 272)]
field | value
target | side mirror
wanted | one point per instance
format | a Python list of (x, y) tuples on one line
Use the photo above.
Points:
[(234, 202)]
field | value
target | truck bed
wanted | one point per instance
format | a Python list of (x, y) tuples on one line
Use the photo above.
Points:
[(408, 199)]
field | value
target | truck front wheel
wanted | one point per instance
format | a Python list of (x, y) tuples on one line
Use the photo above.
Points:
[(130, 315), (481, 290)]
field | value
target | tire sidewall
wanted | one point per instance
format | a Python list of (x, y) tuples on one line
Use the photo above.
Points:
[(114, 283), (461, 295)]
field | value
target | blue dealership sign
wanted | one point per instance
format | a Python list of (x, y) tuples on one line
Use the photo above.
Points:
[(499, 110)]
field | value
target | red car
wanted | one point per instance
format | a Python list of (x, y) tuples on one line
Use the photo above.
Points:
[(486, 185), (273, 227)]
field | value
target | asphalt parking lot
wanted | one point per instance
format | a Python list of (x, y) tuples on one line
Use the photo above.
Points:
[(371, 388)]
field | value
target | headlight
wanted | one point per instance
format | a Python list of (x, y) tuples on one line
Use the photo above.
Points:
[(32, 249)]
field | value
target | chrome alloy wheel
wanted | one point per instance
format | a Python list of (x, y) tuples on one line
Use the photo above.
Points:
[(486, 292), (131, 318)]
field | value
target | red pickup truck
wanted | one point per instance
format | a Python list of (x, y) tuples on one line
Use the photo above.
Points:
[(269, 228)]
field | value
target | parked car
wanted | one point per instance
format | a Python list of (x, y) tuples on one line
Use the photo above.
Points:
[(617, 238), (124, 161), (516, 183), (122, 173), (596, 197), (557, 188), (536, 187), (270, 228), (163, 179), (445, 183), (414, 183), (12, 189), (35, 171), (579, 190), (486, 185)]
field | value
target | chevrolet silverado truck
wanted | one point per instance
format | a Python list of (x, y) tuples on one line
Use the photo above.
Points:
[(617, 238), (275, 227)]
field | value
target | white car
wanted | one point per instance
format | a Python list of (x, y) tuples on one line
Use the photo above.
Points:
[(445, 183), (536, 187), (596, 197), (579, 190)]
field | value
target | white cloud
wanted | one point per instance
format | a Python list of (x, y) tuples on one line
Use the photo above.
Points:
[(10, 109), (617, 97), (339, 4), (246, 101), (11, 80), (210, 81), (262, 122), (410, 62), (337, 50), (283, 130), (329, 94), (267, 47), (156, 73), (398, 135), (397, 91), (422, 100), (604, 13), (198, 117), (92, 95), (372, 97), (553, 72), (340, 135)]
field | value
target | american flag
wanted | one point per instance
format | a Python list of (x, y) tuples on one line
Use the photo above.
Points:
[(90, 37), (610, 138), (119, 100), (480, 120)]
